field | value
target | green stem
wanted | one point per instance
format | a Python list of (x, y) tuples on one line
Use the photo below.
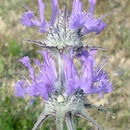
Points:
[(60, 65), (59, 123), (43, 116), (61, 71), (69, 122)]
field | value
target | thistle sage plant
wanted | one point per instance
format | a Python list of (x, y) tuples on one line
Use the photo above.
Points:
[(64, 90)]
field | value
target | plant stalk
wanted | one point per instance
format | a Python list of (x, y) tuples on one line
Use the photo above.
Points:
[(69, 122)]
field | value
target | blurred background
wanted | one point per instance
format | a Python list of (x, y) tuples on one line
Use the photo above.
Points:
[(16, 113)]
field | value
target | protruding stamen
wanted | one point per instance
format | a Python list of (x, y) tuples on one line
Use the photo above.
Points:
[(22, 75)]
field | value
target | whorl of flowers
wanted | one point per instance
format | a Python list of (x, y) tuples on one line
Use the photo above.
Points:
[(92, 80), (64, 90), (77, 20), (40, 84)]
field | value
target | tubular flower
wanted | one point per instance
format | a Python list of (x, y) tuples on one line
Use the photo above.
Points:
[(29, 19), (94, 80), (71, 75), (91, 81), (80, 18), (42, 83), (19, 89)]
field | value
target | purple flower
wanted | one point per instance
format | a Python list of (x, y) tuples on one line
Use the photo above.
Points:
[(77, 19), (92, 5), (48, 71), (71, 74), (91, 80), (96, 80), (38, 88), (26, 19), (80, 18), (88, 63), (55, 10), (101, 82), (29, 19), (19, 88), (93, 25), (26, 62), (41, 84)]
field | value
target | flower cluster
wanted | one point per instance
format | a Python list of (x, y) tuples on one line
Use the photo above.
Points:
[(42, 83), (92, 80), (29, 19), (81, 19), (78, 19), (64, 89)]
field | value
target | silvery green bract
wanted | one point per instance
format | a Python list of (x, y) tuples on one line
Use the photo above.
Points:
[(64, 90)]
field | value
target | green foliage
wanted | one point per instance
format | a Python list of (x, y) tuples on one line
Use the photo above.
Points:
[(14, 48), (2, 64)]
